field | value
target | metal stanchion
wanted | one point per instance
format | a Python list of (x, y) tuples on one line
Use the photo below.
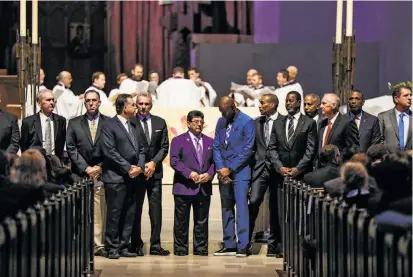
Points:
[(91, 211)]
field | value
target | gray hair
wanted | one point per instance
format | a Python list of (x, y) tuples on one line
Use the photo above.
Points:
[(29, 170), (39, 95), (336, 100)]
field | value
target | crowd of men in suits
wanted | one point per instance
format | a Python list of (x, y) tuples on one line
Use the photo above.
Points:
[(123, 156)]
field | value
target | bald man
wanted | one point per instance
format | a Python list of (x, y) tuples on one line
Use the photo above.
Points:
[(67, 103), (239, 98), (233, 149)]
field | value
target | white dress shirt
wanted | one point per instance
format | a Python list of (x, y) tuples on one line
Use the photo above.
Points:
[(406, 121), (326, 127), (123, 121), (296, 117), (43, 124), (271, 122), (316, 118)]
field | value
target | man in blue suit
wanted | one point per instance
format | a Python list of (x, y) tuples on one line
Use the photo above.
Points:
[(233, 145)]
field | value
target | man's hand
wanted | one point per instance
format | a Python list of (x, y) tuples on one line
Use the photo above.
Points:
[(134, 171), (82, 96), (224, 172), (224, 180), (133, 94), (97, 170), (203, 178), (285, 171), (149, 169), (194, 177), (294, 172)]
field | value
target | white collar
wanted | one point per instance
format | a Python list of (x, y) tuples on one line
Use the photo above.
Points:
[(274, 116), (296, 116), (122, 119)]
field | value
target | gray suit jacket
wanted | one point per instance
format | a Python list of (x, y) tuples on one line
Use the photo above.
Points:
[(369, 131), (390, 130)]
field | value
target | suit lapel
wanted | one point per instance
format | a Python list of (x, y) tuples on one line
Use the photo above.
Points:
[(99, 128), (153, 129), (300, 125), (334, 127), (38, 126), (261, 124), (284, 124), (126, 131), (393, 121), (85, 126)]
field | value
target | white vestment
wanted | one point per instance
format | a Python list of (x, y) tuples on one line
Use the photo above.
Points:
[(242, 93), (67, 104), (130, 86), (208, 101), (282, 95), (179, 93), (29, 99)]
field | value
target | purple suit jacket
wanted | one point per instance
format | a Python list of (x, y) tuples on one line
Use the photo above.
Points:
[(184, 160)]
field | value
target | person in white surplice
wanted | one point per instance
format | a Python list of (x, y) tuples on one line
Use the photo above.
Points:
[(135, 84), (29, 99), (285, 85), (113, 94), (207, 92), (67, 103), (178, 92)]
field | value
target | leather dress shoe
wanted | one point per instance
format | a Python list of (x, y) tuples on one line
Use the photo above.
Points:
[(181, 253), (159, 252), (113, 255), (101, 252), (127, 254), (138, 251), (274, 252), (201, 253)]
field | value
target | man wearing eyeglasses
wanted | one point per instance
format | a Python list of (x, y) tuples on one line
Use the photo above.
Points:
[(191, 158)]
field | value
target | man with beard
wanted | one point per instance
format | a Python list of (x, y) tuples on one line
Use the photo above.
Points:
[(45, 129), (263, 176), (233, 146), (86, 155), (367, 124), (396, 124), (134, 83)]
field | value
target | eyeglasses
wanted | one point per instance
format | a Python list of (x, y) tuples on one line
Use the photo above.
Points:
[(197, 122)]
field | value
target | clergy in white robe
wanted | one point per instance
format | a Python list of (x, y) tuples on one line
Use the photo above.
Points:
[(30, 94), (208, 94), (113, 94), (67, 104), (178, 92), (240, 93), (285, 86), (135, 83)]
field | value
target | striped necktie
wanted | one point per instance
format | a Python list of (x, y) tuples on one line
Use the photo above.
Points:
[(290, 127), (227, 133)]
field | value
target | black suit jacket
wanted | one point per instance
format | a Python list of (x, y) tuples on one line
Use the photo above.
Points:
[(32, 133), (299, 151), (369, 131), (157, 149), (317, 178), (9, 132), (119, 152), (82, 151), (343, 134), (260, 148)]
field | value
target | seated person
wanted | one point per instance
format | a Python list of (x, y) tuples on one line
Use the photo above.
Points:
[(355, 179), (330, 161)]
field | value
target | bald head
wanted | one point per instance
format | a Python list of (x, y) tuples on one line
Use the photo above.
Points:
[(250, 74), (292, 71), (65, 77), (227, 107)]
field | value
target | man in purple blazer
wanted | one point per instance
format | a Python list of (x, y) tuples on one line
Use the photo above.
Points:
[(191, 158)]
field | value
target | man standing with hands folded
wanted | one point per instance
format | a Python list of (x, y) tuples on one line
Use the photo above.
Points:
[(124, 161), (191, 158)]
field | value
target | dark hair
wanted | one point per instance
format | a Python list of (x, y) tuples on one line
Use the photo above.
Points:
[(178, 69), (96, 75), (121, 75), (397, 91), (284, 72), (377, 152), (92, 91), (296, 93), (273, 98), (328, 154), (348, 152), (121, 102), (152, 72), (193, 114), (359, 91), (193, 69), (315, 96)]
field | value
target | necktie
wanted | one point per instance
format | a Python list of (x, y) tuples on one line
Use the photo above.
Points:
[(401, 132), (131, 136), (357, 121), (48, 137), (199, 149), (290, 127), (327, 133), (267, 131), (146, 130), (93, 129), (227, 133)]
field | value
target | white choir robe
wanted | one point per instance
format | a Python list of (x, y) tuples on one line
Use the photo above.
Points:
[(113, 94), (282, 95), (208, 101), (105, 105), (179, 93), (29, 100), (130, 86), (67, 104), (242, 101)]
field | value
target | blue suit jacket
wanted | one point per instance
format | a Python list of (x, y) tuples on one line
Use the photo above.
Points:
[(238, 153)]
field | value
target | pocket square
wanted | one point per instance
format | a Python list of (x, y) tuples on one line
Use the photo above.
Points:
[(209, 147), (158, 130)]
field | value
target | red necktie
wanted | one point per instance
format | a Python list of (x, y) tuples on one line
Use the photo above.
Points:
[(327, 133)]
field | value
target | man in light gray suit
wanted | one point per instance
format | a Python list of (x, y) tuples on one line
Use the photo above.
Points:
[(396, 124)]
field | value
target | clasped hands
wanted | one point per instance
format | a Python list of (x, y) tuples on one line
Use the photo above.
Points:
[(199, 178), (149, 170), (223, 175), (289, 172), (93, 171)]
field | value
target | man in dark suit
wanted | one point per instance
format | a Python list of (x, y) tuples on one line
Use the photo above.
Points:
[(156, 143), (262, 174), (329, 170), (9, 134), (396, 124), (312, 107), (45, 129), (233, 148), (124, 160), (84, 147), (336, 129), (367, 124), (191, 158)]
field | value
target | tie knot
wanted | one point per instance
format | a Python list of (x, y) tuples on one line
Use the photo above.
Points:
[(144, 119), (48, 119), (401, 115), (290, 117)]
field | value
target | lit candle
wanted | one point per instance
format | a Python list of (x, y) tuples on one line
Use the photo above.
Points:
[(349, 18), (35, 22), (23, 18), (339, 21)]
